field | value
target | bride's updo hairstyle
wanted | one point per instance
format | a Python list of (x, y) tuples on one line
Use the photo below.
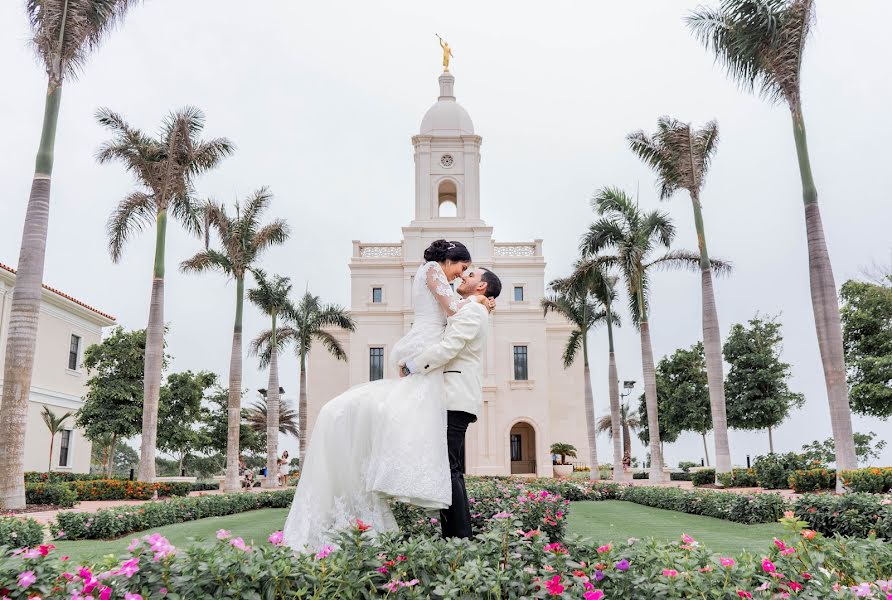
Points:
[(441, 250)]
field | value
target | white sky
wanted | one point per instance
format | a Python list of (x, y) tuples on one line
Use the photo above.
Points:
[(322, 98)]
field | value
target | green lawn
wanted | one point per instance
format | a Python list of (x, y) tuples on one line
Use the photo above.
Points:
[(614, 520), (252, 525)]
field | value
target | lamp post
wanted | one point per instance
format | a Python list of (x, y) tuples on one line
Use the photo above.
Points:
[(628, 386)]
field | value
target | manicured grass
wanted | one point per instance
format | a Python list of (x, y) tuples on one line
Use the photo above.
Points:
[(614, 520), (253, 525)]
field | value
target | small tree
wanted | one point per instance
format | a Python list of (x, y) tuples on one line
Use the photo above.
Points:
[(867, 339), (179, 412), (669, 430), (865, 449), (563, 450), (756, 387), (55, 424), (683, 388), (113, 405)]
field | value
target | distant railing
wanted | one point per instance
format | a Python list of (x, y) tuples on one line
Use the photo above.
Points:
[(517, 249), (377, 250)]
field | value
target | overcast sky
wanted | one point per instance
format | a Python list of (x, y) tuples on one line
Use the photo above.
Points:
[(322, 98)]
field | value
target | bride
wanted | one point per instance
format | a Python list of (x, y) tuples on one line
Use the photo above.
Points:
[(384, 439)]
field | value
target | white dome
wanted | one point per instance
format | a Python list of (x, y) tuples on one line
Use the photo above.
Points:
[(447, 118)]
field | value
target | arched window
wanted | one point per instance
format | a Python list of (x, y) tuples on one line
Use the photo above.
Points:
[(447, 199)]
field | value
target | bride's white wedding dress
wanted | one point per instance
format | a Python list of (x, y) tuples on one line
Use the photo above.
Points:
[(379, 440)]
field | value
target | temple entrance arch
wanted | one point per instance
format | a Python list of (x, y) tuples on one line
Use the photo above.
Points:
[(522, 448)]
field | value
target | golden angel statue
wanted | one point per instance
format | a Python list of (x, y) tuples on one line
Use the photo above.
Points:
[(447, 52)]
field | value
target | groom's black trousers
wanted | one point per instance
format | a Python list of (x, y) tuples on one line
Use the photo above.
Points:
[(456, 520)]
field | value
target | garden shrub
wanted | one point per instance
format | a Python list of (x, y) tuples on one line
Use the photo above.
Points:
[(205, 486), (730, 506), (874, 480), (123, 489), (58, 494), (812, 480), (506, 562), (641, 475), (704, 477), (19, 533), (738, 478), (120, 520), (62, 477), (854, 514), (682, 476), (773, 470)]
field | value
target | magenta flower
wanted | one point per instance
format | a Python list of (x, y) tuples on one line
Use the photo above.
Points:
[(105, 593), (593, 595), (726, 562), (670, 573), (134, 544), (622, 565), (129, 596), (129, 568), (26, 578), (324, 552), (687, 539), (744, 594), (554, 586), (502, 515), (30, 553), (604, 548), (276, 538), (861, 590), (222, 534), (240, 544), (768, 566)]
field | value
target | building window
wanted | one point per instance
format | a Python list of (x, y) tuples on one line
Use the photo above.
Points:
[(74, 351), (376, 364), (518, 293), (515, 447), (520, 363), (377, 295), (65, 448)]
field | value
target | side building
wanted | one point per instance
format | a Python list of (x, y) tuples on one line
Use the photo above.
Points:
[(66, 327)]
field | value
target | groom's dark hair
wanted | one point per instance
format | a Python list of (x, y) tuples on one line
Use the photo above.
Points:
[(493, 283)]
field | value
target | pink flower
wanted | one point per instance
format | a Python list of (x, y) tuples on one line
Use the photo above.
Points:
[(768, 566), (744, 594), (555, 547), (705, 569), (222, 534), (134, 544), (276, 538), (26, 578), (861, 590), (382, 569), (105, 593), (794, 586), (670, 573), (726, 562), (44, 549), (593, 595), (688, 539), (434, 521), (788, 551), (31, 553), (324, 552), (360, 526), (779, 544), (604, 548), (240, 544), (129, 596), (502, 515), (554, 586), (808, 533), (129, 568)]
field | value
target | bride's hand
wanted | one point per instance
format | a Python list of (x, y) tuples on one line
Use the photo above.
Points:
[(489, 303)]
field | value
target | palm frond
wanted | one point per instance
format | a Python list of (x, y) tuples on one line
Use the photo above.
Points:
[(574, 343), (273, 234), (207, 260), (261, 346), (330, 343), (690, 261), (130, 217)]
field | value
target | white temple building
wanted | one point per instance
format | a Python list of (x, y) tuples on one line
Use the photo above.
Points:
[(530, 400)]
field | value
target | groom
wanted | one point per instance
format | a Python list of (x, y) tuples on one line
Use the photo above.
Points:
[(460, 353)]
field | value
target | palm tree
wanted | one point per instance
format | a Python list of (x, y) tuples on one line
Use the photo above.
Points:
[(564, 450), (634, 235), (271, 296), (761, 44), (55, 425), (63, 32), (629, 422), (309, 322), (681, 156), (591, 275), (583, 313), (243, 240), (165, 167), (287, 423)]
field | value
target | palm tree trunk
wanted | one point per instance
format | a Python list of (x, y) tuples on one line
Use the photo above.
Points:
[(705, 448), (234, 408), (613, 393), (110, 465), (650, 396), (770, 442), (272, 414), (826, 310), (594, 473), (24, 311), (49, 466), (154, 358), (302, 410), (627, 442), (712, 346)]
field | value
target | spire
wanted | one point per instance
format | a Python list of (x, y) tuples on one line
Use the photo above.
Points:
[(447, 82)]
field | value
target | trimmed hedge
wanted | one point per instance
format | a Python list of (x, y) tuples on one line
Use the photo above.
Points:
[(738, 478), (20, 533), (58, 494), (115, 522), (730, 506), (123, 489), (874, 480), (682, 476), (704, 477), (773, 470), (204, 486), (642, 475), (62, 477), (854, 514), (812, 480)]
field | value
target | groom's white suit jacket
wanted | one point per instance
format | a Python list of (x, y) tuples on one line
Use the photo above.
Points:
[(460, 353)]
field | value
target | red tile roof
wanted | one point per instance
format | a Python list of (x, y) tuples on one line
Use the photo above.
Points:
[(64, 295)]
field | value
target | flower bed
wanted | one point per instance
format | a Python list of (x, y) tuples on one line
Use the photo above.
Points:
[(123, 489), (875, 480), (812, 480), (115, 522), (740, 508), (853, 514), (56, 494), (505, 562), (16, 533)]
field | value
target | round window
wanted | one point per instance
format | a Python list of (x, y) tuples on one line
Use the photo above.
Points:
[(446, 161)]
